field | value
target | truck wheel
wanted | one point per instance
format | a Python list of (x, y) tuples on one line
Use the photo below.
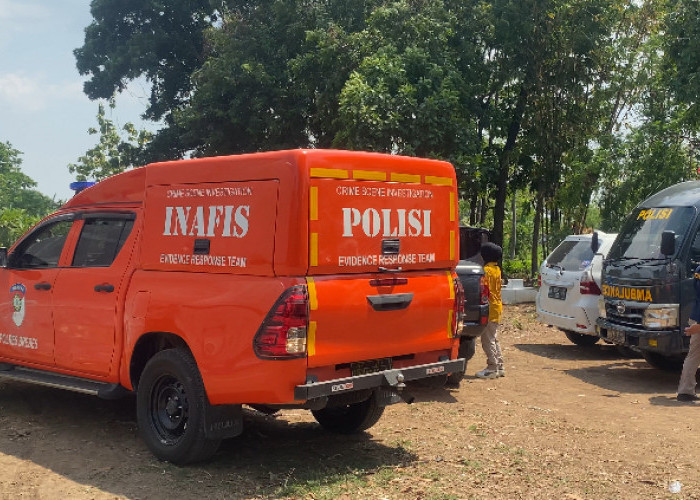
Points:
[(349, 419), (170, 408), (467, 348), (661, 362), (581, 338)]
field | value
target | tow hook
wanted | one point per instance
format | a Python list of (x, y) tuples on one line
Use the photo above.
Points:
[(399, 386)]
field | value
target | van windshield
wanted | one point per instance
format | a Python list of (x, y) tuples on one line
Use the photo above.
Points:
[(640, 236)]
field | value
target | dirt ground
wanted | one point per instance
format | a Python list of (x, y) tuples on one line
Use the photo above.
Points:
[(566, 422)]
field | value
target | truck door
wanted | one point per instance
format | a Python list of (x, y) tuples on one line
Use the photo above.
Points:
[(26, 325), (89, 291)]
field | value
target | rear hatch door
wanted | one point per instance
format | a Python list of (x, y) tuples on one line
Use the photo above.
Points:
[(561, 275), (381, 252)]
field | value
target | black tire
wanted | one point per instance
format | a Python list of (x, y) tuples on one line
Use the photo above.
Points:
[(467, 348), (581, 338), (349, 419), (170, 409), (454, 379), (661, 362)]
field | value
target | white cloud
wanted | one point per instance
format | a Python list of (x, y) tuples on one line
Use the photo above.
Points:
[(16, 10), (33, 94)]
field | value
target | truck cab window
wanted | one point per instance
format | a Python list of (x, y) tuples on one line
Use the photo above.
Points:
[(42, 248), (695, 252), (100, 241)]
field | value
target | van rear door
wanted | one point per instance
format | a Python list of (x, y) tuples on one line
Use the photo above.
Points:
[(381, 252)]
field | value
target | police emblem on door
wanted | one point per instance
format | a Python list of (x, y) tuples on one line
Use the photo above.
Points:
[(17, 293)]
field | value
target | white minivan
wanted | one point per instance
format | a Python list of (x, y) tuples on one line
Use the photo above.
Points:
[(570, 281)]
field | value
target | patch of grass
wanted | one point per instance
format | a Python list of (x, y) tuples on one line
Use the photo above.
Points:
[(476, 430), (403, 444), (472, 464), (384, 475), (432, 475), (322, 487), (441, 495)]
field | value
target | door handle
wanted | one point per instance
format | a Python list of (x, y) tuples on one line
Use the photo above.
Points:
[(44, 285), (390, 302), (104, 287)]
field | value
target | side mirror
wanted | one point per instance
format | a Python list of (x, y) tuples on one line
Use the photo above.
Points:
[(595, 243), (3, 257), (668, 243)]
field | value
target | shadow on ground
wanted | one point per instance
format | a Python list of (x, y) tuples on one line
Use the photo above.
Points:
[(621, 375), (597, 352), (628, 377), (96, 443)]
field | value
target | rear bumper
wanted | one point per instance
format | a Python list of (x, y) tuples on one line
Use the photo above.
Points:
[(668, 342), (388, 379), (582, 319), (475, 319)]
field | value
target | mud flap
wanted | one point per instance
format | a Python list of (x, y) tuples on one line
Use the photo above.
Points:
[(223, 421)]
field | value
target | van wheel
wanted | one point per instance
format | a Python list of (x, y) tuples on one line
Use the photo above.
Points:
[(467, 348), (661, 362), (170, 409), (581, 338), (349, 419)]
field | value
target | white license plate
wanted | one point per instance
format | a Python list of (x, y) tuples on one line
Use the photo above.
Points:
[(557, 292)]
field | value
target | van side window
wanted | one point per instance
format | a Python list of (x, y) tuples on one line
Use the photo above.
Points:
[(42, 248), (100, 241)]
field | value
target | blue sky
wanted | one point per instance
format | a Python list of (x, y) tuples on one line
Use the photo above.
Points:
[(43, 110)]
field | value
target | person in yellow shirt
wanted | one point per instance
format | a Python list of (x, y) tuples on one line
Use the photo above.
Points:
[(492, 253)]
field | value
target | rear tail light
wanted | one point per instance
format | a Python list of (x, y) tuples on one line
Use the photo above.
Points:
[(484, 294), (458, 322), (484, 298), (588, 285), (283, 333)]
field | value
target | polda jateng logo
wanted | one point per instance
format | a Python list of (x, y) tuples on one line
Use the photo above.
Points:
[(18, 292)]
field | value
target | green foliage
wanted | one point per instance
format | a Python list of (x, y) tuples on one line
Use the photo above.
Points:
[(682, 55), (247, 97), (516, 268), (162, 41), (14, 222), (22, 206), (579, 108), (112, 154)]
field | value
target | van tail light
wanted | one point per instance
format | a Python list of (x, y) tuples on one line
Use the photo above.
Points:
[(458, 321), (283, 333), (588, 286)]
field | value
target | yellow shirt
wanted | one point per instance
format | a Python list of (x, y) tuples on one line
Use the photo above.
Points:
[(493, 278)]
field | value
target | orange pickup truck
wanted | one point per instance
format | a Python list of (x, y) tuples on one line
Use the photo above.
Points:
[(293, 279)]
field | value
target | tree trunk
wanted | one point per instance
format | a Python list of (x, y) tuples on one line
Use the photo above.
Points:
[(534, 264), (545, 225), (513, 228), (473, 208), (504, 162)]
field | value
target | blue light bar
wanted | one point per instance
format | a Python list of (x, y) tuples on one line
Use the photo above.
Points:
[(78, 186)]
